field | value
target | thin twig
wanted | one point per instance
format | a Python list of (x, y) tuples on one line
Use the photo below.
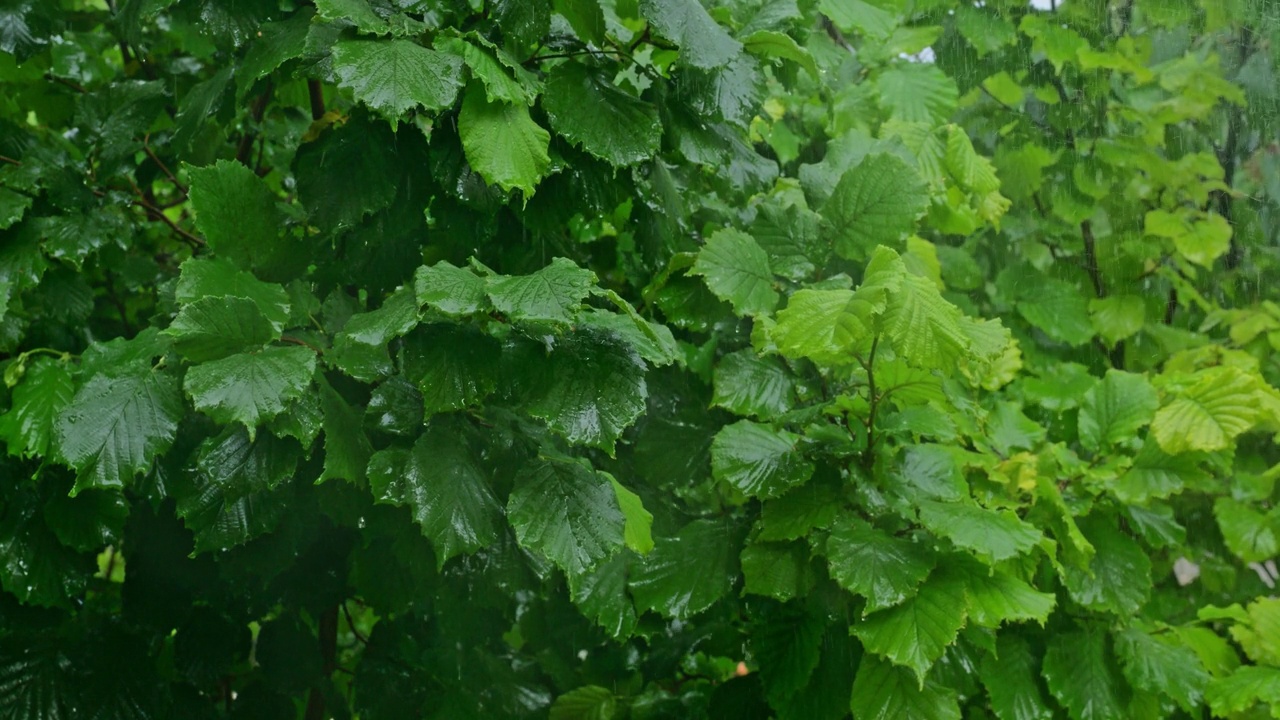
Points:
[(158, 214), (146, 148), (9, 160), (352, 625)]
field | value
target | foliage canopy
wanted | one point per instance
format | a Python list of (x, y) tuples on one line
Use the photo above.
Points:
[(639, 359)]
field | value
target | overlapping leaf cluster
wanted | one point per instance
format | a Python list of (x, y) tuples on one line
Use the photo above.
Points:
[(639, 358)]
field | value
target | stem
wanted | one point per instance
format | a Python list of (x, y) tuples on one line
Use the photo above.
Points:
[(245, 150), (146, 148), (1091, 258), (328, 655), (1171, 306), (351, 625), (868, 458), (315, 91), (9, 160)]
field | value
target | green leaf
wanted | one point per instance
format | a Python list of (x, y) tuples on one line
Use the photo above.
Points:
[(1156, 474), (356, 12), (637, 534), (1118, 316), (876, 202), (776, 570), (789, 234), (772, 44), (1115, 409), (360, 350), (212, 328), (364, 149), (1082, 676), (930, 471), (395, 407), (454, 291), (601, 595), (394, 76), (687, 573), (1057, 307), (567, 512), (1251, 535), (1243, 689), (812, 505), (454, 366), (992, 535), (885, 570), (46, 389), (757, 460), (737, 271), (280, 42), (1118, 578), (346, 447), (787, 643), (498, 84), (117, 424), (584, 16), (553, 294), (1158, 666), (215, 278), (746, 384), (445, 490), (651, 341), (250, 388), (34, 566), (702, 42), (236, 212), (1209, 414), (996, 596), (589, 702), (1011, 676), (35, 675), (917, 631), (882, 691), (589, 388), (859, 16), (502, 143), (621, 129)]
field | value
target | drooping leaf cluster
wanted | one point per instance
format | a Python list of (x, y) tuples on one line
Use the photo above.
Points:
[(639, 358)]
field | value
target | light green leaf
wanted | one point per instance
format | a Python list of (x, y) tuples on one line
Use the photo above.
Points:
[(931, 471), (1115, 409), (757, 460), (212, 328), (585, 17), (746, 384), (393, 76), (452, 290), (620, 128), (916, 632), (1011, 676), (1058, 43), (1156, 474), (47, 388), (736, 269), (250, 388), (687, 573), (1081, 676), (1208, 415), (637, 533), (702, 42), (1162, 667), (1118, 577), (1251, 535), (922, 326), (1117, 317), (115, 425), (568, 512), (447, 493), (885, 570), (356, 12), (652, 341), (826, 326), (992, 535), (876, 202), (589, 702), (201, 278), (589, 388), (501, 142), (1243, 689), (553, 294), (986, 30), (882, 691), (917, 92)]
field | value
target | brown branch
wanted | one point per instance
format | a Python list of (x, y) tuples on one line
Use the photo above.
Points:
[(1091, 258), (9, 160), (63, 81), (315, 91), (352, 625), (1171, 306), (245, 150), (328, 656), (146, 148), (155, 212)]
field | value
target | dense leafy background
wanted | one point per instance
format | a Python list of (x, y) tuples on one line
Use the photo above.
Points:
[(639, 358)]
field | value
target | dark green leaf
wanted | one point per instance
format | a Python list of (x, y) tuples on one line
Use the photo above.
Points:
[(757, 460), (687, 573), (394, 76), (620, 129), (251, 388), (213, 328), (703, 43)]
